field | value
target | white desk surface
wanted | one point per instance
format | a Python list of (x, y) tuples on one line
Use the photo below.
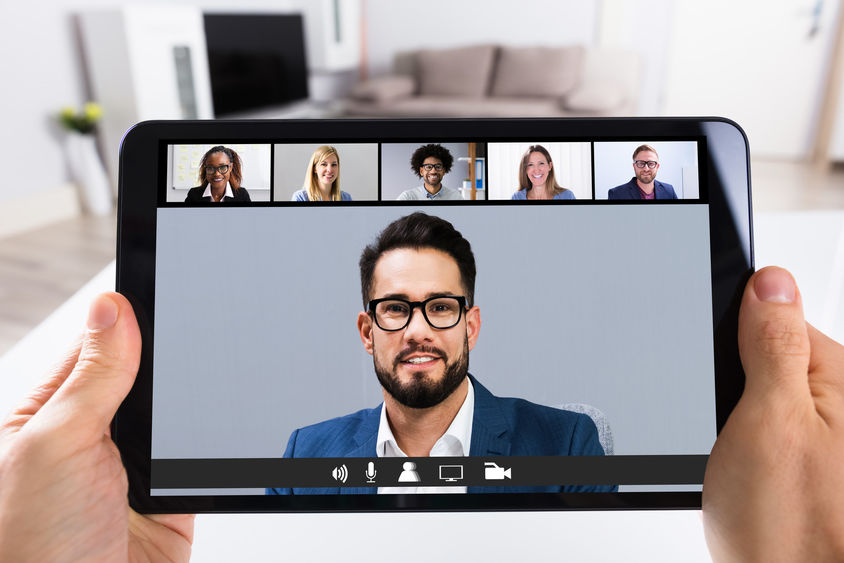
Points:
[(810, 244)]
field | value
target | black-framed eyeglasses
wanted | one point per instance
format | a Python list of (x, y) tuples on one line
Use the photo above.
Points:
[(222, 169), (642, 163), (429, 167), (440, 312)]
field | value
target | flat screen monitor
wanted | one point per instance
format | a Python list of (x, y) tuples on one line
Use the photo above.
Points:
[(255, 61)]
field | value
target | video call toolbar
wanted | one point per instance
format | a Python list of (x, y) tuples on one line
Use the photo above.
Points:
[(387, 473)]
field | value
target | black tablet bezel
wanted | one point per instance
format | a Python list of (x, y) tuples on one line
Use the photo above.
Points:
[(726, 174)]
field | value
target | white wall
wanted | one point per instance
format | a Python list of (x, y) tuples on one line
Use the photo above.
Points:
[(401, 26), (42, 71), (642, 27), (756, 63)]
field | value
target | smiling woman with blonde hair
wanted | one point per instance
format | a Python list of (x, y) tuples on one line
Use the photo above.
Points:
[(322, 178)]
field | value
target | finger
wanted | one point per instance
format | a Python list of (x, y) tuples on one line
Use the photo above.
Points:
[(825, 371), (39, 395), (827, 354), (104, 372), (773, 338)]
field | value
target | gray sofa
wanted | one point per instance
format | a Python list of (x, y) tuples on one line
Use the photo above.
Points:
[(496, 81)]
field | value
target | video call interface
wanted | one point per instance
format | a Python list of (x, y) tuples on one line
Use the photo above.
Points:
[(432, 317)]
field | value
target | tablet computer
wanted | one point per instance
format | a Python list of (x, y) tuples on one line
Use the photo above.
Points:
[(393, 315)]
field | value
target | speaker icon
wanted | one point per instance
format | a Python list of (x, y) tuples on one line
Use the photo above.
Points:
[(340, 473)]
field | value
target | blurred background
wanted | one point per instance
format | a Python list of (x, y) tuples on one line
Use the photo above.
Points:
[(775, 68)]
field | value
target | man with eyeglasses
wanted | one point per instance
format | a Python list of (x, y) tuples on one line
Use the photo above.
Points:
[(431, 163), (420, 322), (644, 184)]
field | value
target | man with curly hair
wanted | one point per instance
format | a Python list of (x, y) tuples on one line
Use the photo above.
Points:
[(431, 163)]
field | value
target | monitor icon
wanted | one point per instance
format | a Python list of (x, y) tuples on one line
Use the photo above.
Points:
[(451, 473)]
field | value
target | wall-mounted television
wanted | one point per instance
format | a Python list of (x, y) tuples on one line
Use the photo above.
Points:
[(255, 61)]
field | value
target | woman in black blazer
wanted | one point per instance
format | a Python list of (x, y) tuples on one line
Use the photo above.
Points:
[(219, 178)]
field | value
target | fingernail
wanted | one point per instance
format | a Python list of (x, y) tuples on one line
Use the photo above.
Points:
[(775, 285), (102, 314)]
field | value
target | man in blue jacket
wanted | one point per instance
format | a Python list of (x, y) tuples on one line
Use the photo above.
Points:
[(644, 184), (420, 322)]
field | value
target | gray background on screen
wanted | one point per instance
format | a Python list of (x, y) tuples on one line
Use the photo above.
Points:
[(677, 166), (397, 176), (605, 305), (358, 169)]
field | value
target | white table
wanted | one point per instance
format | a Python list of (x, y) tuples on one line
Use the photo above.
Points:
[(810, 244)]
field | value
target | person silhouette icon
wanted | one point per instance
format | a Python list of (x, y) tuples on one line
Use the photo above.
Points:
[(409, 474)]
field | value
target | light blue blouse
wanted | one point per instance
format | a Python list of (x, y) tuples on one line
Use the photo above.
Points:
[(522, 194), (302, 195)]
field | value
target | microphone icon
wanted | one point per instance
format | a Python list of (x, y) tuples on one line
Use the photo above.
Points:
[(370, 472)]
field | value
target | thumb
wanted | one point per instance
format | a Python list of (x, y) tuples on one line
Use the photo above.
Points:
[(773, 338), (104, 372)]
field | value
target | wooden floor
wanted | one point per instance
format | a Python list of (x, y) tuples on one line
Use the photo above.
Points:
[(40, 269)]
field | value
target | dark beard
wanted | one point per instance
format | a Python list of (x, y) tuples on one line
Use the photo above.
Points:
[(420, 393)]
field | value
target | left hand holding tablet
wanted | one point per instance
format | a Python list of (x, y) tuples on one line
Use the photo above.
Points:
[(63, 488)]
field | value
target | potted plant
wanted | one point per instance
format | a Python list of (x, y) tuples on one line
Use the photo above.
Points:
[(84, 161)]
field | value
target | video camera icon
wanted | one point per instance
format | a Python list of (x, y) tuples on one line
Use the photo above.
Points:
[(494, 472)]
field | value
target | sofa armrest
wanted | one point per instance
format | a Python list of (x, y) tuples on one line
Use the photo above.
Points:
[(385, 88)]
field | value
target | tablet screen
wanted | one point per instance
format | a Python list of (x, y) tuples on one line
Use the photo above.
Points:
[(432, 316)]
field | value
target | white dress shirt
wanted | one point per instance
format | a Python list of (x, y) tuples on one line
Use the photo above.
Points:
[(229, 192), (455, 442)]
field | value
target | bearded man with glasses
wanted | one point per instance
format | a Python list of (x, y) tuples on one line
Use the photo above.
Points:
[(420, 323), (644, 184)]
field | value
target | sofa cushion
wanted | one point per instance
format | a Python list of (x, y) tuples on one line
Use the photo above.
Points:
[(465, 71), (385, 88), (593, 99), (537, 71)]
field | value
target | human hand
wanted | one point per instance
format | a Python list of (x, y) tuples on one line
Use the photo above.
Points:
[(774, 484), (62, 485)]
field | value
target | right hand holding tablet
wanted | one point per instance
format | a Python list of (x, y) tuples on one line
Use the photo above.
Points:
[(774, 485)]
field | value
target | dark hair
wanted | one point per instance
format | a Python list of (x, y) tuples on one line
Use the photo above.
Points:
[(234, 178), (419, 230), (436, 151)]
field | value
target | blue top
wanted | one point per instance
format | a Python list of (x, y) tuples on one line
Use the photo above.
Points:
[(565, 194), (500, 427), (631, 191), (302, 195)]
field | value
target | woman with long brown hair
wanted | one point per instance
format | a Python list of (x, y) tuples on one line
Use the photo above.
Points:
[(536, 177)]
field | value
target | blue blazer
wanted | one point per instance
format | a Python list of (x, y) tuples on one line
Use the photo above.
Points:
[(500, 427), (631, 191)]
